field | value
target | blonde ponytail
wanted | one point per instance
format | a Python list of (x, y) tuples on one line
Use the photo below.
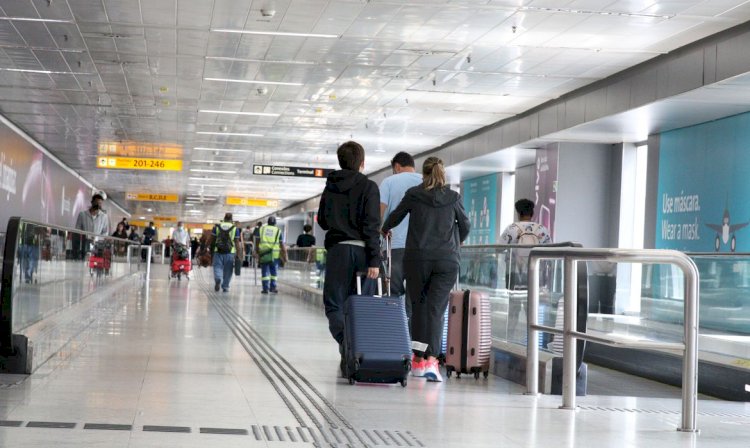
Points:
[(433, 172)]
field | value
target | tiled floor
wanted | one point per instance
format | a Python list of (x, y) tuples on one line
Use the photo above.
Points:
[(170, 359)]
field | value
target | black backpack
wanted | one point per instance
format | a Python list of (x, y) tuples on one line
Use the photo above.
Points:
[(224, 240)]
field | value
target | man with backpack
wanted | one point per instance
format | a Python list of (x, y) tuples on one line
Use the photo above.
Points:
[(225, 246), (270, 250), (523, 232)]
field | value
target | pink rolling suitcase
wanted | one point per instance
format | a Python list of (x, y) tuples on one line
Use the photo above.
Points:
[(469, 334)]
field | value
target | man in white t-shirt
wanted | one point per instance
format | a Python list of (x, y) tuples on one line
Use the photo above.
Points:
[(525, 231)]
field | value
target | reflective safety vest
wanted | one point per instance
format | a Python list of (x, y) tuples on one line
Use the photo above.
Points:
[(320, 256), (270, 243)]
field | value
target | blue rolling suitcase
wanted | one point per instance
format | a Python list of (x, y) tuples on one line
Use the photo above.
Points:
[(376, 338)]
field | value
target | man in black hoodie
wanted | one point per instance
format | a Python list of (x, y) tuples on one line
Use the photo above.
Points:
[(350, 212)]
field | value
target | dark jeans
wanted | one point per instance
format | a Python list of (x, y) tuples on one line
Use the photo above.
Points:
[(429, 285), (397, 278), (344, 261), (602, 290)]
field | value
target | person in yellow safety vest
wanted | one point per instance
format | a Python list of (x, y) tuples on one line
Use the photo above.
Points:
[(270, 250)]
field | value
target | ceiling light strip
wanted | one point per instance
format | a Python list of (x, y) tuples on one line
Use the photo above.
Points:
[(276, 33), (217, 161), (259, 61), (200, 170), (241, 134), (592, 12), (250, 81), (202, 148), (35, 19), (229, 112), (41, 72)]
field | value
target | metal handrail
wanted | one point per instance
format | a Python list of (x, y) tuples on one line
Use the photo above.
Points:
[(570, 257)]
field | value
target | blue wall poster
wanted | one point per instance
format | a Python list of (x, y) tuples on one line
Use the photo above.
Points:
[(480, 201), (703, 187)]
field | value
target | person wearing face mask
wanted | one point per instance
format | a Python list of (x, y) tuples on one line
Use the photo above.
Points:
[(180, 235), (94, 220)]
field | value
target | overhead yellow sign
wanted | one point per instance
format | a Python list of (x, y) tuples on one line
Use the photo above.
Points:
[(135, 163), (138, 223), (195, 226), (140, 149), (251, 202), (154, 197), (165, 218)]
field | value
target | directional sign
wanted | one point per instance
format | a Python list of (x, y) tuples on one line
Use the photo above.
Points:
[(290, 171), (134, 163), (140, 149), (251, 202), (154, 197), (165, 218)]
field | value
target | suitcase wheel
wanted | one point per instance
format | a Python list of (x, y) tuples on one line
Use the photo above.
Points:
[(403, 382)]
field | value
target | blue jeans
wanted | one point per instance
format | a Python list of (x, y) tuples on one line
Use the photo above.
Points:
[(223, 269), (29, 256), (268, 274)]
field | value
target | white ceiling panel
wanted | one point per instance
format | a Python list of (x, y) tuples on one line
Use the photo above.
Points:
[(395, 75)]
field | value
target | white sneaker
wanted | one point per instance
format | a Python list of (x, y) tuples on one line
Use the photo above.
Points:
[(432, 371), (417, 368)]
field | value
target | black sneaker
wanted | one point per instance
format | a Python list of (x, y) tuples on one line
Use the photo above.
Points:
[(274, 291), (264, 292), (217, 285)]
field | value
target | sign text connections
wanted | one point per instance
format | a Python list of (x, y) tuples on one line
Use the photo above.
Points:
[(290, 171)]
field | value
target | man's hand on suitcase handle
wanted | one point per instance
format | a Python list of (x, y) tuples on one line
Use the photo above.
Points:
[(373, 272)]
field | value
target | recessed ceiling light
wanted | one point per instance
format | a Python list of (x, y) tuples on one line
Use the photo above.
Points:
[(276, 33), (142, 217), (200, 148), (255, 114), (197, 170), (217, 161), (229, 133), (149, 210), (252, 81), (261, 61), (34, 19)]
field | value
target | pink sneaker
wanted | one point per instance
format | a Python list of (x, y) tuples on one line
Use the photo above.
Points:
[(432, 371), (417, 368)]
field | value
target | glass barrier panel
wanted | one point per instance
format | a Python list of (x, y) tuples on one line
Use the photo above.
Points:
[(501, 273), (57, 267), (306, 266), (724, 311)]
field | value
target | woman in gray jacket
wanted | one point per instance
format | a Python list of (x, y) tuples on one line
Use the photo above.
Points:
[(437, 226)]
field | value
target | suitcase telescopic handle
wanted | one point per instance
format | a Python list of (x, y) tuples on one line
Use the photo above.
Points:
[(389, 263), (359, 284)]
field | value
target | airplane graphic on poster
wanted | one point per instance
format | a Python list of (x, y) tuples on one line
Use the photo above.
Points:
[(725, 231)]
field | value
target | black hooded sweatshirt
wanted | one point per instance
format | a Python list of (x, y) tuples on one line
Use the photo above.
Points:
[(437, 223), (350, 210)]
